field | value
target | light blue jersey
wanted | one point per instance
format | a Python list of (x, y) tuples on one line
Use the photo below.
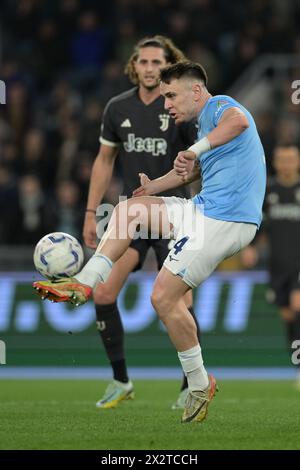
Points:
[(234, 174)]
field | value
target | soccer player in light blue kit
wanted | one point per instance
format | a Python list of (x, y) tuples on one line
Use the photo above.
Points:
[(217, 223)]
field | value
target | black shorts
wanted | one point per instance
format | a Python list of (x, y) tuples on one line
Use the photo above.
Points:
[(282, 285), (159, 246)]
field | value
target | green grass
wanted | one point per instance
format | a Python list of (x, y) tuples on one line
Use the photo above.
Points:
[(60, 414)]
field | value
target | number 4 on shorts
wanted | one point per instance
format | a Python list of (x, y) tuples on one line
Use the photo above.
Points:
[(178, 245)]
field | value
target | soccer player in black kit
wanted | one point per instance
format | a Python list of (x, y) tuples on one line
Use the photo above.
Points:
[(138, 130), (281, 228)]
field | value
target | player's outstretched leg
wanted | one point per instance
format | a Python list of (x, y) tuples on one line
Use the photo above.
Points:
[(149, 213)]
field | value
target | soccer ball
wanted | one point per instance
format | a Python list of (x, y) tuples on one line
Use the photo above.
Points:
[(58, 255)]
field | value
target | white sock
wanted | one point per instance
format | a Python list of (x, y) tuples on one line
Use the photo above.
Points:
[(192, 364), (126, 386), (96, 270)]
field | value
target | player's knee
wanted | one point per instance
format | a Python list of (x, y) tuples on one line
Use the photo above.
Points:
[(161, 302), (104, 295), (138, 211), (156, 299), (132, 211)]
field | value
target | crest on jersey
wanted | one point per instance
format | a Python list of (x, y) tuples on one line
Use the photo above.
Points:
[(164, 118), (221, 103)]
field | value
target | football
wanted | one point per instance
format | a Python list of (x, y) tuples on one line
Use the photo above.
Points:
[(58, 255)]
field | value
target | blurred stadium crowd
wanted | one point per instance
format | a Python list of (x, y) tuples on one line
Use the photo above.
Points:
[(62, 60)]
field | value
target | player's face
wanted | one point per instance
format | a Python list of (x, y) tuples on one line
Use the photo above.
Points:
[(148, 64), (287, 161), (180, 100)]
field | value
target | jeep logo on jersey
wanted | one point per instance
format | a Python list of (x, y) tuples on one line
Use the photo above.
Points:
[(164, 121), (156, 146)]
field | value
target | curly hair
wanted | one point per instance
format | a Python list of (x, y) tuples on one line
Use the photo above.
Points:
[(172, 53)]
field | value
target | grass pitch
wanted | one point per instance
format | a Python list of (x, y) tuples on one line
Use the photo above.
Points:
[(57, 414)]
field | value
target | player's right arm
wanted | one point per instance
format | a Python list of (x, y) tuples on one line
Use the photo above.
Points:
[(231, 124), (101, 175), (168, 181)]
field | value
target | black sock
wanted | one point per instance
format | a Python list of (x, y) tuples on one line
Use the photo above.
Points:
[(111, 330), (184, 384)]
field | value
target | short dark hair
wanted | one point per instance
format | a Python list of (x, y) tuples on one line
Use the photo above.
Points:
[(183, 69)]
